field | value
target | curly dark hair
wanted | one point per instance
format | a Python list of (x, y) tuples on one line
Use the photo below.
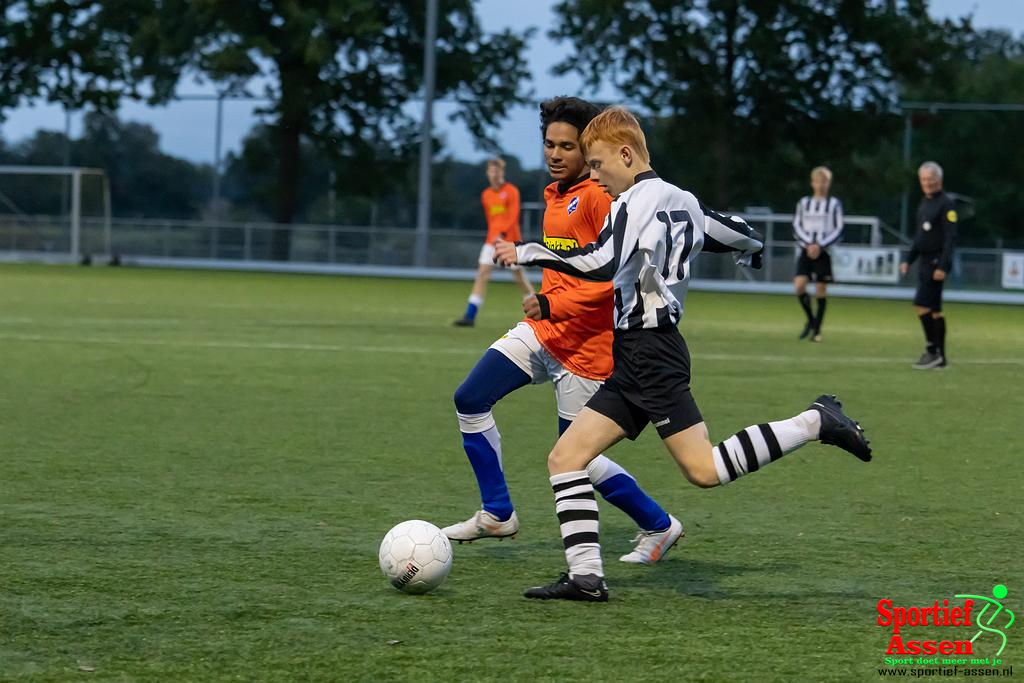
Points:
[(571, 110)]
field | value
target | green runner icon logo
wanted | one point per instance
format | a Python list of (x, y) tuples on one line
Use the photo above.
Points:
[(999, 592)]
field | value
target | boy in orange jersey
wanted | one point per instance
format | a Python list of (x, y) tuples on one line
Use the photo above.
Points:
[(566, 338), (500, 200)]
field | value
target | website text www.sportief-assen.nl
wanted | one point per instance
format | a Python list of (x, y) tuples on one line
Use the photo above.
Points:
[(941, 672)]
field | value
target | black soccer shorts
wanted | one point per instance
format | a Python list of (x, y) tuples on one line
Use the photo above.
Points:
[(816, 270), (929, 290), (650, 383)]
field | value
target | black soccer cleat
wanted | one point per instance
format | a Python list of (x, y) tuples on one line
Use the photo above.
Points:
[(808, 328), (463, 322), (837, 429), (929, 361), (585, 588)]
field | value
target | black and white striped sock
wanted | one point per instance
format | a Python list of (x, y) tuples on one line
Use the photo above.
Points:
[(576, 508), (754, 447)]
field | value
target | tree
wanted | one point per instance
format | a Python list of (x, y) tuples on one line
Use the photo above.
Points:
[(982, 158), (742, 87), (144, 182), (340, 74)]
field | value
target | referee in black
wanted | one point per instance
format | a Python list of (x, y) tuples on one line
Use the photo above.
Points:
[(933, 245)]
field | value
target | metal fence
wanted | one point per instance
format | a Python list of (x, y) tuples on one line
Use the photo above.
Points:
[(321, 246)]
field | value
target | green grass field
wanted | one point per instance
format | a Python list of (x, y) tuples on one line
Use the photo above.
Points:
[(197, 469)]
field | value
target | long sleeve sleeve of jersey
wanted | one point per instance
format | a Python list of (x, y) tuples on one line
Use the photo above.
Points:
[(949, 218), (725, 233), (834, 230), (596, 261), (800, 234)]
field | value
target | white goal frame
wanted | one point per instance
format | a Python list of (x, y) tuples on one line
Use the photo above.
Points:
[(75, 173)]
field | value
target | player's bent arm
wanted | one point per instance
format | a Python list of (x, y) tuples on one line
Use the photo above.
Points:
[(799, 234), (593, 262), (946, 262), (596, 261), (731, 233)]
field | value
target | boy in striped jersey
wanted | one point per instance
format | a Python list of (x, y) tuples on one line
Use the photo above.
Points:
[(818, 224), (652, 233), (566, 339)]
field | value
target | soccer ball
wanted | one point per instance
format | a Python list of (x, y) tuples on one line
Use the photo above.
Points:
[(415, 556)]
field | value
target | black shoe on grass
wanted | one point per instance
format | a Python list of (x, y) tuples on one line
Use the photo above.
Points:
[(929, 361), (585, 588), (837, 429), (463, 322)]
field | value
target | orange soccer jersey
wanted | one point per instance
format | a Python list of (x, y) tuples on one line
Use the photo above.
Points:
[(577, 329), (501, 207)]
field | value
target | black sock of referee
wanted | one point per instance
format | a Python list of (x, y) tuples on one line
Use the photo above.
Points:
[(939, 325), (805, 303), (929, 330), (821, 314)]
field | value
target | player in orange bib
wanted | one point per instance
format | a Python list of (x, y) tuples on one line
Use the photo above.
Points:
[(566, 339), (500, 200)]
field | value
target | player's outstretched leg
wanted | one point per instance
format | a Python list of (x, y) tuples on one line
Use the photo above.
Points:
[(760, 445), (659, 530), (493, 377)]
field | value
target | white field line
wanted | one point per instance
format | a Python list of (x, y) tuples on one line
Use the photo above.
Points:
[(435, 322), (440, 322), (419, 350)]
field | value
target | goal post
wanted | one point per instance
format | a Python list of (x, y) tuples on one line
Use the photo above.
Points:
[(75, 174)]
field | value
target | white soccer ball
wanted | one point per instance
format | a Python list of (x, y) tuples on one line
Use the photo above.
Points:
[(415, 556)]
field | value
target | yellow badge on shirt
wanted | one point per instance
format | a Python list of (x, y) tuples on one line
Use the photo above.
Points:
[(951, 216)]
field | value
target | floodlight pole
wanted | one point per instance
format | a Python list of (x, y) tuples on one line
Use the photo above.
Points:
[(426, 135), (107, 232), (908, 128), (76, 214), (216, 155)]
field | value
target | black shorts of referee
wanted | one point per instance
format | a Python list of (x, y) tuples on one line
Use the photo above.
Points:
[(815, 270), (929, 290), (650, 383)]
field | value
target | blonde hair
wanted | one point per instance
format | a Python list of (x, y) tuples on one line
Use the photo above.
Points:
[(496, 161), (618, 126), (822, 171)]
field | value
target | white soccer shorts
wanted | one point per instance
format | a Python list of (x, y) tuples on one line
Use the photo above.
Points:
[(487, 257), (521, 347)]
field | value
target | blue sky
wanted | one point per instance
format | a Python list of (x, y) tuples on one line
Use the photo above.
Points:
[(187, 128)]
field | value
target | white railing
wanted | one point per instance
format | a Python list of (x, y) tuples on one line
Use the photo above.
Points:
[(346, 248)]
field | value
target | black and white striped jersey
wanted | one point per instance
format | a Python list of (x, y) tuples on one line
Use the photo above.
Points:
[(652, 233), (818, 221)]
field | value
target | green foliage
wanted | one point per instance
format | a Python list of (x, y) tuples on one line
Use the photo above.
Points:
[(746, 97), (338, 73), (144, 182), (199, 468)]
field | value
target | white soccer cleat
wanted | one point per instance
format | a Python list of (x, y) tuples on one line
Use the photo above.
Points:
[(651, 546), (482, 525)]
